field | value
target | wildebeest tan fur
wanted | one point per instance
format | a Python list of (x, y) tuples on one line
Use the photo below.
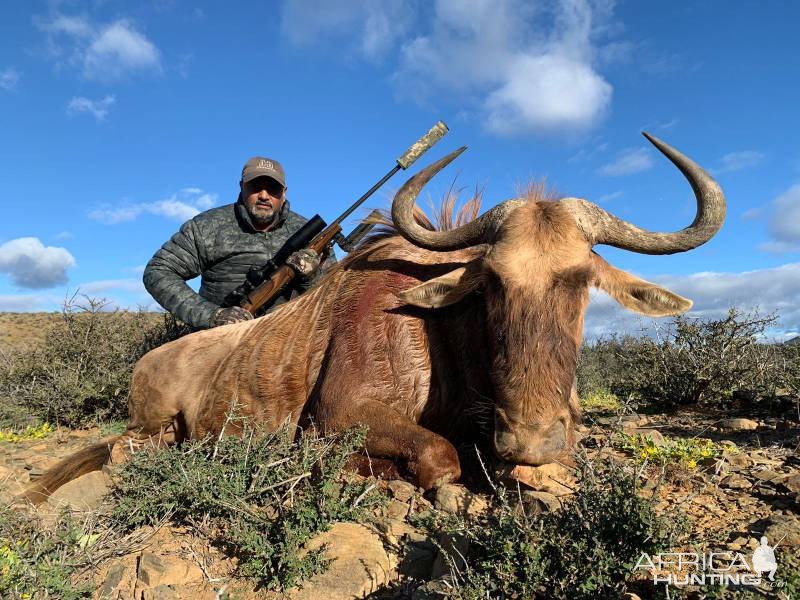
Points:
[(426, 337)]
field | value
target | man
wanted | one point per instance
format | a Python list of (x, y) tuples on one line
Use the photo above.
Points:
[(222, 244)]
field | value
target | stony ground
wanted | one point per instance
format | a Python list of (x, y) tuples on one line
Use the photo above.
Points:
[(730, 500)]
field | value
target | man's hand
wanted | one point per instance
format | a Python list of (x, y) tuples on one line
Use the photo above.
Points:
[(305, 262), (234, 314)]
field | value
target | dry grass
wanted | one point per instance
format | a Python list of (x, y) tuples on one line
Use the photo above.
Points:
[(28, 329), (22, 329)]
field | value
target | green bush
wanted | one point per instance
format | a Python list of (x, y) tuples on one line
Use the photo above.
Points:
[(691, 360), (39, 561), (599, 364), (588, 549), (258, 497), (80, 373)]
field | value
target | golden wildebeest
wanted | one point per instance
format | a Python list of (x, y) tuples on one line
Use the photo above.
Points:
[(424, 336)]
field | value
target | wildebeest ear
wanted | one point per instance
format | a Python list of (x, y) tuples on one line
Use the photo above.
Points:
[(637, 294), (446, 289)]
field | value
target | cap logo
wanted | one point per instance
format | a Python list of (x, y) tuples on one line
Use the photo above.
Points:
[(266, 164)]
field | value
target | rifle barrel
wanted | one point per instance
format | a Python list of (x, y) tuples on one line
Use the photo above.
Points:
[(417, 149), (369, 193)]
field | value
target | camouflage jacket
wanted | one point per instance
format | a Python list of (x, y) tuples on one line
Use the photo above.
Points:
[(220, 245)]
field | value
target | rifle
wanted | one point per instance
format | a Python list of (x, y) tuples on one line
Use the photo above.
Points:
[(264, 284)]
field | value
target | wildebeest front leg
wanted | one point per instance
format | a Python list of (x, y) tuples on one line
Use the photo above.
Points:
[(430, 458)]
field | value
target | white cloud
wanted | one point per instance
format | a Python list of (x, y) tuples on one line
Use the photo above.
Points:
[(379, 25), (180, 207), (736, 161), (584, 155), (73, 26), (121, 285), (32, 265), (631, 160), (784, 223), (752, 214), (103, 52), (9, 78), (529, 69), (773, 289), (117, 50), (547, 92), (609, 197), (98, 108), (21, 303), (523, 68)]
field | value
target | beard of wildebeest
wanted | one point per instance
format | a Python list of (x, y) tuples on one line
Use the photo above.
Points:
[(536, 288)]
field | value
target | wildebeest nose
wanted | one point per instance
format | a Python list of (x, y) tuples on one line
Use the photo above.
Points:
[(529, 444)]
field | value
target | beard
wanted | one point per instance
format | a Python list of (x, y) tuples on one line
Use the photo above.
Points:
[(261, 215)]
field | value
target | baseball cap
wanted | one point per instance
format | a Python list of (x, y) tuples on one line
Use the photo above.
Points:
[(258, 166)]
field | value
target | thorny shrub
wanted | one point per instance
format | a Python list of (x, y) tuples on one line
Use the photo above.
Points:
[(80, 373), (39, 562), (691, 360), (588, 549), (259, 497)]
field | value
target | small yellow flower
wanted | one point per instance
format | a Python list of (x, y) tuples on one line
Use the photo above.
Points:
[(692, 463)]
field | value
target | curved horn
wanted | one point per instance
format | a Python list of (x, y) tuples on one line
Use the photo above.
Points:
[(602, 227), (474, 232)]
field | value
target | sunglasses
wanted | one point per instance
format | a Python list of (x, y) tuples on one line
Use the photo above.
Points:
[(272, 187)]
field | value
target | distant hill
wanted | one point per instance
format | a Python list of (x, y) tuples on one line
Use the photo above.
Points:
[(794, 341), (23, 329)]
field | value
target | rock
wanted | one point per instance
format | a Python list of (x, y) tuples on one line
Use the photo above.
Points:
[(554, 478), (738, 461), (654, 435), (114, 581), (401, 490), (769, 475), (162, 592), (631, 596), (397, 531), (761, 457), (397, 510), (538, 503), (784, 529), (35, 473), (177, 592), (736, 482), (359, 565), (455, 548), (457, 499), (633, 421), (792, 483), (738, 543), (738, 425), (418, 560), (82, 494), (157, 570), (438, 589)]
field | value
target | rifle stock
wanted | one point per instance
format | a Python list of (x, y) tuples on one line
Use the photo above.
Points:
[(283, 276)]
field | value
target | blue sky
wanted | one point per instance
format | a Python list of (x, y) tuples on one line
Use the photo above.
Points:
[(120, 120)]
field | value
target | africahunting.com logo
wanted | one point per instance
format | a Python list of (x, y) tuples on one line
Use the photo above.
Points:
[(713, 568)]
